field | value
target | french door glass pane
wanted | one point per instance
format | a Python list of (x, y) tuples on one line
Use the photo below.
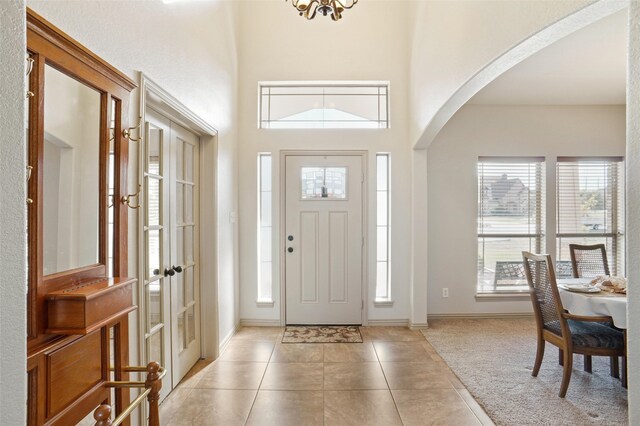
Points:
[(153, 201), (181, 334), (179, 247), (153, 150), (191, 324), (188, 162), (179, 161), (154, 304), (180, 289), (189, 283), (153, 252), (179, 203), (188, 244), (154, 349), (188, 203)]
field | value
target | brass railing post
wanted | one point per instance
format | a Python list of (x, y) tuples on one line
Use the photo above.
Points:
[(155, 385), (151, 385)]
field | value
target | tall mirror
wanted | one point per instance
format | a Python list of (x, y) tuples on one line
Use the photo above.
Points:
[(71, 173)]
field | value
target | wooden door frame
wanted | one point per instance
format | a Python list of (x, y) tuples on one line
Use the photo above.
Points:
[(364, 155), (163, 102)]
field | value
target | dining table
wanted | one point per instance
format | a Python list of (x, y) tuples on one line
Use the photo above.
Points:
[(599, 303)]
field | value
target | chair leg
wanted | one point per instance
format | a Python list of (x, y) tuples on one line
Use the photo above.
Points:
[(615, 368), (587, 363), (539, 355), (560, 357), (566, 373), (623, 379)]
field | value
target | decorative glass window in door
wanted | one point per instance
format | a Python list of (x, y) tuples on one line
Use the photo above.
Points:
[(324, 183)]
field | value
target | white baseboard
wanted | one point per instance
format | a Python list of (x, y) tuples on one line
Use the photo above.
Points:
[(388, 323), (260, 322), (419, 326), (225, 341), (492, 315)]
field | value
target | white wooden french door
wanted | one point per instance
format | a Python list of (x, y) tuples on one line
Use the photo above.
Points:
[(172, 290), (323, 239)]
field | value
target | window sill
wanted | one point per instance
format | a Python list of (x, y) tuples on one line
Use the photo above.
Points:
[(265, 303), (493, 297), (382, 303)]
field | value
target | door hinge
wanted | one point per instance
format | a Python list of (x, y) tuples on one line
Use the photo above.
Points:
[(362, 178)]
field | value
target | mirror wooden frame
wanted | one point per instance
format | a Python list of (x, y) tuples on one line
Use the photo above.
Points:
[(50, 357)]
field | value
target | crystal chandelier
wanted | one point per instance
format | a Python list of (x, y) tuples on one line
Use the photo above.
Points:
[(309, 8)]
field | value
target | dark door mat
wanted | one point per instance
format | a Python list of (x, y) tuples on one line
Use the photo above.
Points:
[(322, 334)]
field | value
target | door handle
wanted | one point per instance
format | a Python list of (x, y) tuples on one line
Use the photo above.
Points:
[(290, 249), (169, 272), (178, 268)]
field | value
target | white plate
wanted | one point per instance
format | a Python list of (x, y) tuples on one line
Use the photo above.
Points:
[(580, 288)]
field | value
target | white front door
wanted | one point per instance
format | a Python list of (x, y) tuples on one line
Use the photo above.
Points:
[(323, 239), (171, 284)]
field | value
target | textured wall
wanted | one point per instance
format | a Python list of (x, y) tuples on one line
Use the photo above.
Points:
[(13, 394), (189, 49), (483, 130), (453, 40), (277, 44), (633, 206)]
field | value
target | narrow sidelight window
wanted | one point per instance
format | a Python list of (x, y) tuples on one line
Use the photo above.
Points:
[(383, 291), (265, 227)]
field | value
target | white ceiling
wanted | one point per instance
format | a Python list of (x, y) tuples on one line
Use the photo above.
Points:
[(588, 67)]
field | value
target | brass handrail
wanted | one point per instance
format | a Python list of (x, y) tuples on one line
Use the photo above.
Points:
[(152, 386)]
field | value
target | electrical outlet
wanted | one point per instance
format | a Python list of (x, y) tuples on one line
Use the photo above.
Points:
[(445, 292)]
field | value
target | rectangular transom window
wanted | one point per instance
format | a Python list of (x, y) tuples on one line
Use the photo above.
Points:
[(324, 105), (590, 209), (510, 220)]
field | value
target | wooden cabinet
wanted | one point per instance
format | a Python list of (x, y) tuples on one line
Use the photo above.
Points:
[(78, 296), (89, 306)]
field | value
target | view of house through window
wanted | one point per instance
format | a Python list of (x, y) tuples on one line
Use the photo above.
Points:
[(324, 105), (510, 219), (590, 208), (265, 227)]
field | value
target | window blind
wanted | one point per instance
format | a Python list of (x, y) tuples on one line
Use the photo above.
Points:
[(511, 210), (590, 207)]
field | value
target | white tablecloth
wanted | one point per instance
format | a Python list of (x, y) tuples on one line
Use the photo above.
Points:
[(610, 304)]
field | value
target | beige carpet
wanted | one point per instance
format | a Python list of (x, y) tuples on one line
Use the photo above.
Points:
[(494, 359)]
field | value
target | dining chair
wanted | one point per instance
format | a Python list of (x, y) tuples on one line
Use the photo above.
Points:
[(589, 261), (573, 334)]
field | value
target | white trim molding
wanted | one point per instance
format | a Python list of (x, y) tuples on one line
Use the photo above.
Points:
[(388, 323), (488, 315), (247, 322)]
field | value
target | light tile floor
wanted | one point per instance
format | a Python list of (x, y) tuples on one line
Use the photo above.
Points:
[(394, 377)]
